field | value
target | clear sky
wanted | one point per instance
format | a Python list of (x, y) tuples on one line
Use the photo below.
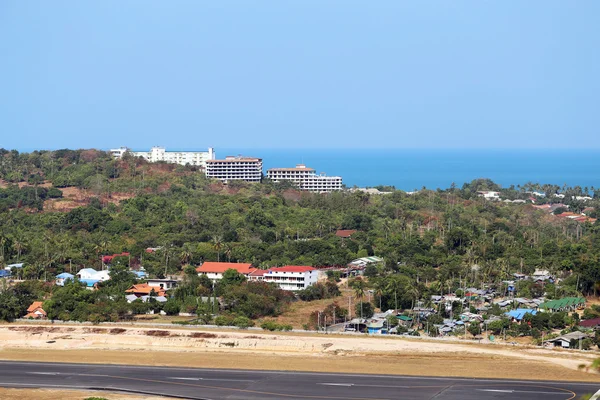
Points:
[(299, 73)]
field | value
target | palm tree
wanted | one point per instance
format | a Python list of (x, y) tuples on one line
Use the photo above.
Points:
[(217, 245), (228, 251), (186, 254)]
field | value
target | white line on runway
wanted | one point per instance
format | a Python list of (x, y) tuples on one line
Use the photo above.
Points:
[(212, 379), (359, 385), (43, 373), (596, 396), (518, 391)]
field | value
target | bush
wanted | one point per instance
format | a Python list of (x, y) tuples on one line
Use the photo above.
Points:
[(172, 307), (274, 326), (243, 322), (225, 320)]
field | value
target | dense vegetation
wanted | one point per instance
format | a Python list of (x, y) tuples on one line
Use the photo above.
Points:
[(432, 241)]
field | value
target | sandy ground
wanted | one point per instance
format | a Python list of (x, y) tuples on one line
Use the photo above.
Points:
[(302, 352), (52, 394)]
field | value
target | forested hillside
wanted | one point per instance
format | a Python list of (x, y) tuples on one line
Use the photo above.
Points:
[(429, 239)]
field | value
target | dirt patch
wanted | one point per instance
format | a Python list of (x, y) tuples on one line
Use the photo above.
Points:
[(203, 335), (63, 394), (117, 331), (95, 330), (157, 333)]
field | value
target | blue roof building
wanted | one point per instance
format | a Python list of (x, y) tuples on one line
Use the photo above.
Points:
[(61, 279), (519, 313), (4, 273)]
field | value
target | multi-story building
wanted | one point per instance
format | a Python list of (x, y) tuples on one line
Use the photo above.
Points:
[(235, 168), (290, 277), (156, 154), (306, 178)]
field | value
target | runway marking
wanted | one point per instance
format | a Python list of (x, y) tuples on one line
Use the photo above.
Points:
[(517, 391), (43, 373), (310, 373), (274, 394), (359, 385), (596, 396), (212, 379)]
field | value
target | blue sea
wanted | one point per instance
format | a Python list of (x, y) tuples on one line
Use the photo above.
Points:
[(413, 169)]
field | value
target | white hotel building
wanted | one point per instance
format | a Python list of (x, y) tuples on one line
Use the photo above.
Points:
[(306, 178), (290, 277), (156, 154), (239, 168)]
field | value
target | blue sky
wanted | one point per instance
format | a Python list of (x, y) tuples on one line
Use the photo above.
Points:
[(299, 74)]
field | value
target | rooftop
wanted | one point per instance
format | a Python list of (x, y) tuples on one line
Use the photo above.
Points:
[(220, 267)]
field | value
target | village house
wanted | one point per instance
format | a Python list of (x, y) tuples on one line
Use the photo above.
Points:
[(564, 341), (92, 274), (345, 233), (63, 278), (143, 289), (35, 311), (162, 284), (215, 270)]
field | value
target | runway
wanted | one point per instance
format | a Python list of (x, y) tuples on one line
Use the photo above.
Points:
[(214, 384)]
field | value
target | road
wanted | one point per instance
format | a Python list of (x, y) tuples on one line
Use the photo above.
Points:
[(213, 384)]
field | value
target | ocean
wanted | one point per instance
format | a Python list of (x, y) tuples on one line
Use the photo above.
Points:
[(413, 169)]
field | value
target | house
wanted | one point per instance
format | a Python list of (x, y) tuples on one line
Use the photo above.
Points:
[(518, 314), (90, 273), (9, 267), (35, 311), (5, 274), (565, 304), (345, 233), (215, 270), (292, 277), (162, 284), (489, 195), (376, 327), (364, 261), (593, 323), (564, 341), (143, 289), (132, 297), (61, 279)]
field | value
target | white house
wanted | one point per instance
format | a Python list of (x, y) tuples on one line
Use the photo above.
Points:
[(92, 274), (290, 277), (489, 195), (164, 284)]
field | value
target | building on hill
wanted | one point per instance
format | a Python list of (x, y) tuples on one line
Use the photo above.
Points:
[(565, 304), (345, 233), (215, 270), (92, 274), (61, 279), (289, 277), (232, 168), (306, 178), (157, 154)]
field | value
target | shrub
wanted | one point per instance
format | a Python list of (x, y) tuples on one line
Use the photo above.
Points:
[(243, 322)]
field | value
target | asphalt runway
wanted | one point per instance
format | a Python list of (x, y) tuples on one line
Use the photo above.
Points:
[(214, 384)]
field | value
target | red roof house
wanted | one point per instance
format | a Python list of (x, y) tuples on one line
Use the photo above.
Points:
[(36, 311), (219, 268), (345, 233)]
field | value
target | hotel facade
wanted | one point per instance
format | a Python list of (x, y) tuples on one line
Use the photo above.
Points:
[(156, 154), (238, 168), (306, 178)]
